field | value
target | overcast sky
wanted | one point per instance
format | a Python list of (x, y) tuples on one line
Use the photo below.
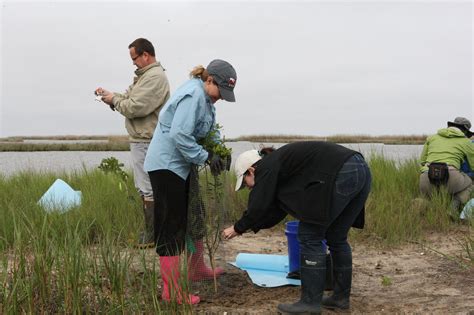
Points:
[(304, 67)]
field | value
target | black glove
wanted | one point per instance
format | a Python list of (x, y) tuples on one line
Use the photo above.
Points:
[(216, 164)]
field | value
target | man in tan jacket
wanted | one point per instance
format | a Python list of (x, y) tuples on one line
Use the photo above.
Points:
[(140, 105)]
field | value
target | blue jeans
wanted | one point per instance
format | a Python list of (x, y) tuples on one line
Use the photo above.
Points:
[(350, 193)]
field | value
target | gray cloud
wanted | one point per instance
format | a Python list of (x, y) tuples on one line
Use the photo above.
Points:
[(316, 68)]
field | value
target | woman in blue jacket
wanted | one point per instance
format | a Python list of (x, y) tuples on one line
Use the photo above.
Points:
[(187, 117), (325, 186)]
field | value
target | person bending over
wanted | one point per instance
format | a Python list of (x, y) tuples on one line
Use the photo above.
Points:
[(325, 186)]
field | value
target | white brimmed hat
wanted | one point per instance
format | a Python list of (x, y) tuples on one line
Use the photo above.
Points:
[(243, 163)]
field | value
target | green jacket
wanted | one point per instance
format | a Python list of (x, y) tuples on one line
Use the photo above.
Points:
[(142, 101), (448, 146)]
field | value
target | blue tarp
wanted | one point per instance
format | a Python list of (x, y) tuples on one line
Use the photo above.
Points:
[(265, 270), (60, 197)]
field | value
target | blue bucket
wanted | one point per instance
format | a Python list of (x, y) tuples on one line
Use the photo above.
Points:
[(291, 232)]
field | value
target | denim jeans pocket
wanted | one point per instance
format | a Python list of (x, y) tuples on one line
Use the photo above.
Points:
[(347, 182)]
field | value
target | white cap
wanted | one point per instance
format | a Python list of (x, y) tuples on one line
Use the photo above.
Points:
[(243, 163)]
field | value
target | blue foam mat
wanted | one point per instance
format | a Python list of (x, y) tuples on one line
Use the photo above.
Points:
[(265, 270), (60, 197)]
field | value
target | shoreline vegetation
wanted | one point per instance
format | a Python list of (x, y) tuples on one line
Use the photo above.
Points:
[(120, 143), (83, 260)]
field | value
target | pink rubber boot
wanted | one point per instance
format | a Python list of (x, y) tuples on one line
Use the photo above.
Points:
[(197, 268), (169, 266)]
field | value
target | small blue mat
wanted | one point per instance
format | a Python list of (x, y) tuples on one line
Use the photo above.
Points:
[(265, 270), (60, 196)]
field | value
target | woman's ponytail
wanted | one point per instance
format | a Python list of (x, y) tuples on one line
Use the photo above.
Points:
[(199, 72)]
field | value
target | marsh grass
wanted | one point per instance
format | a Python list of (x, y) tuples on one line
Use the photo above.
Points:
[(25, 147), (120, 143), (63, 138), (83, 260), (467, 245), (79, 261), (395, 211), (341, 138)]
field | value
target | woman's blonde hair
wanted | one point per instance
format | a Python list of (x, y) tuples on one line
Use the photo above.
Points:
[(199, 72)]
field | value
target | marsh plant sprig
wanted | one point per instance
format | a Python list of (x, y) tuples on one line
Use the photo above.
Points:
[(212, 143), (214, 194), (112, 166)]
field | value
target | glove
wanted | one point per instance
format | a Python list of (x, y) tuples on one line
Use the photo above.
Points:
[(216, 164)]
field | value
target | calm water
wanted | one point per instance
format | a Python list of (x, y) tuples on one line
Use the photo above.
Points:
[(59, 161)]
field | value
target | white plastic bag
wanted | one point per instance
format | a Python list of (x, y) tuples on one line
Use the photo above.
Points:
[(468, 210)]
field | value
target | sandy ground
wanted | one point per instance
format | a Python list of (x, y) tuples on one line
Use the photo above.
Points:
[(417, 279)]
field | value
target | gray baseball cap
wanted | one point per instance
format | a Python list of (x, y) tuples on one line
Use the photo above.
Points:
[(461, 122), (225, 76)]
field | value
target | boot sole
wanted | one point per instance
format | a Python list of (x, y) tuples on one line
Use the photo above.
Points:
[(300, 313), (144, 246), (331, 307), (280, 311)]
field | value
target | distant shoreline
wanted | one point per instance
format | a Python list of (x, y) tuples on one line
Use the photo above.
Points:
[(120, 143)]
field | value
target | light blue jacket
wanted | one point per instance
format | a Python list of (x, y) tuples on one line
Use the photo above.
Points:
[(186, 118)]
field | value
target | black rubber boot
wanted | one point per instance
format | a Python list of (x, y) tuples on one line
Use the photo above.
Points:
[(329, 286), (146, 239), (329, 281), (313, 274), (342, 266)]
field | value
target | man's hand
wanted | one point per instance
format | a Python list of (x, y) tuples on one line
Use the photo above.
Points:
[(107, 96), (229, 233)]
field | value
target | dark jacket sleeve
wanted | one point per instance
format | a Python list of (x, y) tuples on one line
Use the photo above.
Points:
[(272, 218), (261, 211)]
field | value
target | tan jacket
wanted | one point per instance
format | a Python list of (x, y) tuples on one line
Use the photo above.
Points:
[(142, 102)]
